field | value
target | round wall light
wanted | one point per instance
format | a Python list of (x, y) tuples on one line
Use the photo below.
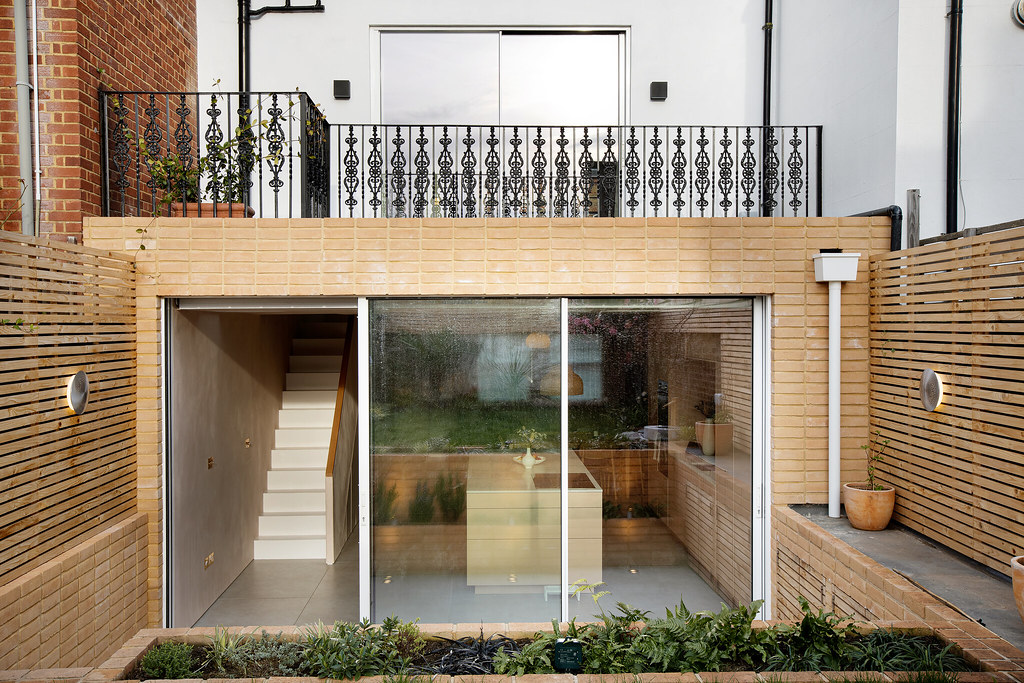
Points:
[(78, 392), (1017, 12), (931, 389)]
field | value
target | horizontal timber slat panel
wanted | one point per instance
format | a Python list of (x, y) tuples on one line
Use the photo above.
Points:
[(956, 307), (64, 476)]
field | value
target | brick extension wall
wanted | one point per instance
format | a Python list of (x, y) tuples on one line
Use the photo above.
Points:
[(83, 45), (78, 608), (528, 257)]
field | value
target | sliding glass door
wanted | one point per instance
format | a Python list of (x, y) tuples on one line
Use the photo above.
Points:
[(482, 508)]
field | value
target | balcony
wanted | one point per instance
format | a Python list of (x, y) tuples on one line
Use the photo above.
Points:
[(216, 154)]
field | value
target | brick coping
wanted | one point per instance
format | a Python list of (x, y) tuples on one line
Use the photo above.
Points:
[(999, 661)]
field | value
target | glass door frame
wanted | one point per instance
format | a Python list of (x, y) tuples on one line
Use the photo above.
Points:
[(760, 455)]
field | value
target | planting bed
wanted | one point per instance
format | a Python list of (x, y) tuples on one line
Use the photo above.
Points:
[(728, 645)]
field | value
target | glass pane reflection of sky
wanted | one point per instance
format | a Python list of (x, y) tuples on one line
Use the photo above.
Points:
[(487, 78)]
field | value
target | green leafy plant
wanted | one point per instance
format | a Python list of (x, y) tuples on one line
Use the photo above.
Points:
[(528, 438), (875, 449), (384, 498), (351, 651), (421, 507), (18, 324), (168, 660), (225, 650), (817, 643), (450, 492)]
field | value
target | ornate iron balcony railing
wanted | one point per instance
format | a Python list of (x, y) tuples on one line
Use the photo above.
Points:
[(276, 154), (214, 154), (470, 171)]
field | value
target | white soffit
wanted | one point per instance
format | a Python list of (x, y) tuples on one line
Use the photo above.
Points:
[(268, 304)]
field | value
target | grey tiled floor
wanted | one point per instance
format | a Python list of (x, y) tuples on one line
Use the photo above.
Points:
[(286, 592)]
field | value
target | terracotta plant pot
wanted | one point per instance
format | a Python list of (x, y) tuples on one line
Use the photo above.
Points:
[(714, 438), (207, 210), (1017, 570), (866, 509)]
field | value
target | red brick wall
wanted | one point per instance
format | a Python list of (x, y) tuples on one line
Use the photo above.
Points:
[(83, 44)]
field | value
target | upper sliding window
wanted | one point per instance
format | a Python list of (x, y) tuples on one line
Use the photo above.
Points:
[(501, 77)]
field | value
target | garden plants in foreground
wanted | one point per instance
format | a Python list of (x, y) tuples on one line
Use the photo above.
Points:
[(622, 641)]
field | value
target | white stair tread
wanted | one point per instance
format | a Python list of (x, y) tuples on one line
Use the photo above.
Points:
[(312, 380), (314, 364), (310, 502), (308, 417), (305, 437), (291, 524), (309, 398), (295, 480), (298, 458)]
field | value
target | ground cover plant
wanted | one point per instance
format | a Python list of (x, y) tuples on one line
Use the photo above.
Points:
[(622, 641)]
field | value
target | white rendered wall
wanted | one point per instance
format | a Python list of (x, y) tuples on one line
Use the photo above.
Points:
[(709, 52), (836, 66), (873, 73)]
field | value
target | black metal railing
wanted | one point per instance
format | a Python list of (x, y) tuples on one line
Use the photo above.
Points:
[(276, 155), (471, 171), (217, 154)]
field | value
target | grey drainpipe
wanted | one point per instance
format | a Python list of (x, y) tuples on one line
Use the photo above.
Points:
[(27, 192), (956, 15)]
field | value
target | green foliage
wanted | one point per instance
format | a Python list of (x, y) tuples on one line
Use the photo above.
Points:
[(351, 651), (18, 324), (450, 492), (384, 498), (874, 450), (421, 507), (887, 650), (817, 643), (534, 658), (168, 660), (225, 650)]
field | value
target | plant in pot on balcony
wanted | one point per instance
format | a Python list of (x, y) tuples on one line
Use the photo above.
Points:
[(217, 175), (869, 505), (714, 432)]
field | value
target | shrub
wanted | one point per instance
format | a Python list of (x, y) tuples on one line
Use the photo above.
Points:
[(168, 660)]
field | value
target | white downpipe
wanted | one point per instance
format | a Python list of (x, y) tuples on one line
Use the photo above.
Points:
[(834, 267), (835, 334)]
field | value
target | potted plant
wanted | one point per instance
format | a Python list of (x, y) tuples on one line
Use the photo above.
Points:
[(869, 505), (529, 439), (219, 176), (714, 432)]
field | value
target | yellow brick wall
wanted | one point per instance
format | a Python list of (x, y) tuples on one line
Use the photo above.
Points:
[(527, 257), (808, 561), (79, 607)]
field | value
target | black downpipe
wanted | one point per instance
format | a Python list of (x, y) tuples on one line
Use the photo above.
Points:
[(895, 215), (766, 98), (956, 12), (243, 45)]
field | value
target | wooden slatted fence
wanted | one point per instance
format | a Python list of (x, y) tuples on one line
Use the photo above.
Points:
[(63, 476), (956, 307)]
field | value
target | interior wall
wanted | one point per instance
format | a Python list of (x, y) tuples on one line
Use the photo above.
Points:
[(227, 374)]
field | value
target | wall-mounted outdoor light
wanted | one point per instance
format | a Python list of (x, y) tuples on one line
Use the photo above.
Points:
[(342, 90), (931, 389), (659, 91), (78, 392), (1017, 12)]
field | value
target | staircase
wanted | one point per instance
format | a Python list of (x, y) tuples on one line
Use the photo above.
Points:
[(292, 525)]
